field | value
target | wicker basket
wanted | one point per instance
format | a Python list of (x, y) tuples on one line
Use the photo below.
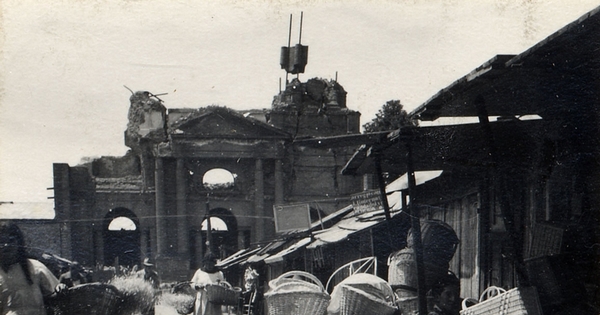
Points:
[(357, 302), (517, 301), (90, 298), (290, 296), (402, 268), (408, 305), (223, 294)]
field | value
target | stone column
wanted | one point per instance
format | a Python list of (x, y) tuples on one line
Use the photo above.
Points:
[(279, 189), (182, 219), (259, 200), (162, 243)]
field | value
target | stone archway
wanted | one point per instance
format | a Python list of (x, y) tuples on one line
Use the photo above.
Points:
[(121, 233), (225, 239)]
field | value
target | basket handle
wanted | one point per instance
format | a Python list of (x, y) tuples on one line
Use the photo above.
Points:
[(490, 292), (306, 275), (468, 300), (225, 284)]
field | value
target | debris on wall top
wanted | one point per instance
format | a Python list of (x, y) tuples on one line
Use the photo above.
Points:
[(147, 117), (316, 94)]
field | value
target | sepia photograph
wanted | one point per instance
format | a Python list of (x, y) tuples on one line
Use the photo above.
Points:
[(325, 157)]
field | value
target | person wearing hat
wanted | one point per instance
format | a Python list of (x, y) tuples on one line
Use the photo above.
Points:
[(150, 273)]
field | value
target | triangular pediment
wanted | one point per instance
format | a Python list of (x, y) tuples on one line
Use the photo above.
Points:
[(220, 122)]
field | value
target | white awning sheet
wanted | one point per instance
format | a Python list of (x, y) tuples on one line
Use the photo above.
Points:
[(420, 177), (279, 256), (347, 226)]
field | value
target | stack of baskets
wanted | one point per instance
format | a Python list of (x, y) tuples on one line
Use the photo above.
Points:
[(497, 301), (223, 293), (296, 293), (363, 293)]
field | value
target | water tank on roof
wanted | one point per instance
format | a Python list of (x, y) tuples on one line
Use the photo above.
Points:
[(294, 59)]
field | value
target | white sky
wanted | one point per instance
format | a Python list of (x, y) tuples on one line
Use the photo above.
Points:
[(64, 63)]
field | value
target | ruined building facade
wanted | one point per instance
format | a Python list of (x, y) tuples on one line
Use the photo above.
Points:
[(158, 184)]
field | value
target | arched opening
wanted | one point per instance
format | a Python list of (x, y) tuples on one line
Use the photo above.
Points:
[(121, 238), (223, 231), (216, 224), (218, 178)]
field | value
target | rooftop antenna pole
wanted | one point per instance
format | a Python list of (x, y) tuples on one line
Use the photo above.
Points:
[(290, 32), (300, 37), (289, 43), (336, 76)]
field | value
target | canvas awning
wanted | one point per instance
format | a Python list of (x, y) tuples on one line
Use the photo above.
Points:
[(263, 253), (421, 177), (295, 246), (349, 225), (236, 258)]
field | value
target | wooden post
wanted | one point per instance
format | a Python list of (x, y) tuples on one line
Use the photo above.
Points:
[(381, 182), (508, 214), (416, 230)]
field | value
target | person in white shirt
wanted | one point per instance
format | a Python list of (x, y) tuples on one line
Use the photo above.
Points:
[(207, 274)]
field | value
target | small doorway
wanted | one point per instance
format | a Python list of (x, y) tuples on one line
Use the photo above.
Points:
[(121, 238)]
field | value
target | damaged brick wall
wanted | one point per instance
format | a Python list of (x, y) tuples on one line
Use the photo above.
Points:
[(147, 121)]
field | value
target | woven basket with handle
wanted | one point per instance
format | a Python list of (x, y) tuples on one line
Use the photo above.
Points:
[(355, 301), (223, 293), (89, 298), (296, 293), (497, 301)]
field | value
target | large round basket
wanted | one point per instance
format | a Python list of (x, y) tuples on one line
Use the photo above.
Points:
[(357, 302), (290, 295), (439, 241), (89, 298), (223, 294)]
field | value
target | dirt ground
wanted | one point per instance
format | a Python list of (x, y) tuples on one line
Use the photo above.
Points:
[(161, 309)]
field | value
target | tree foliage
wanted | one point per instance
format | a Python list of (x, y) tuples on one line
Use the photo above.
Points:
[(391, 116)]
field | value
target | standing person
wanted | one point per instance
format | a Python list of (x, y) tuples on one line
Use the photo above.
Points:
[(251, 296), (207, 274), (446, 295), (150, 275), (23, 282)]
